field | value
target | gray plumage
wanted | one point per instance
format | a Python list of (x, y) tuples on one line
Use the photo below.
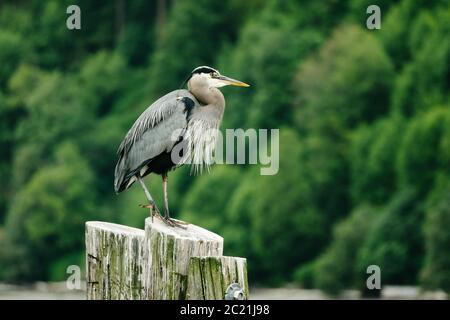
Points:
[(151, 135)]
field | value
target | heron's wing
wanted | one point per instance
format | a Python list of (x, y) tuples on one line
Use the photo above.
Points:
[(155, 131)]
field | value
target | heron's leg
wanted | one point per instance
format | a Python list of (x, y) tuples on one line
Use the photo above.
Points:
[(166, 196), (153, 208), (171, 222)]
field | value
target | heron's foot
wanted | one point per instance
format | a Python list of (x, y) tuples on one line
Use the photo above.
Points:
[(175, 223), (154, 211)]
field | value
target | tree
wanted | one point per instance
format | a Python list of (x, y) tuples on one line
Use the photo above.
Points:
[(373, 158), (395, 242), (13, 50), (436, 270), (101, 76), (47, 217), (424, 81), (423, 152), (397, 26), (336, 269), (54, 111), (343, 86)]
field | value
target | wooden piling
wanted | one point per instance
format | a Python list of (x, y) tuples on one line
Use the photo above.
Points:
[(210, 277), (167, 261), (161, 262), (113, 261)]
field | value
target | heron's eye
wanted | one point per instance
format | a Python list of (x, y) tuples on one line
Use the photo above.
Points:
[(214, 74)]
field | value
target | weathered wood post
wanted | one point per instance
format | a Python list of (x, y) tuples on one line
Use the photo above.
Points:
[(210, 278), (160, 263), (166, 262), (113, 261)]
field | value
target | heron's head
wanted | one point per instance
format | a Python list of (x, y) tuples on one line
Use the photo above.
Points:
[(210, 77)]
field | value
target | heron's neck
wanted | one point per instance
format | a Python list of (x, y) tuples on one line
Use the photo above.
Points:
[(212, 99), (207, 95)]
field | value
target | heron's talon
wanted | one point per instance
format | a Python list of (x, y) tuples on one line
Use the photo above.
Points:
[(184, 223), (175, 223), (154, 211)]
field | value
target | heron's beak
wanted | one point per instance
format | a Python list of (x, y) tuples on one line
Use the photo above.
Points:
[(232, 82)]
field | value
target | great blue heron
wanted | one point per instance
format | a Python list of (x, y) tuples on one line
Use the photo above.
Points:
[(189, 115)]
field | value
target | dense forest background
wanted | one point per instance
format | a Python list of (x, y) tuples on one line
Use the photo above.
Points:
[(364, 118)]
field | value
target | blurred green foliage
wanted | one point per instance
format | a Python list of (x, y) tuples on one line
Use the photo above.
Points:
[(395, 241), (340, 75), (373, 160), (435, 273), (364, 133), (337, 268)]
